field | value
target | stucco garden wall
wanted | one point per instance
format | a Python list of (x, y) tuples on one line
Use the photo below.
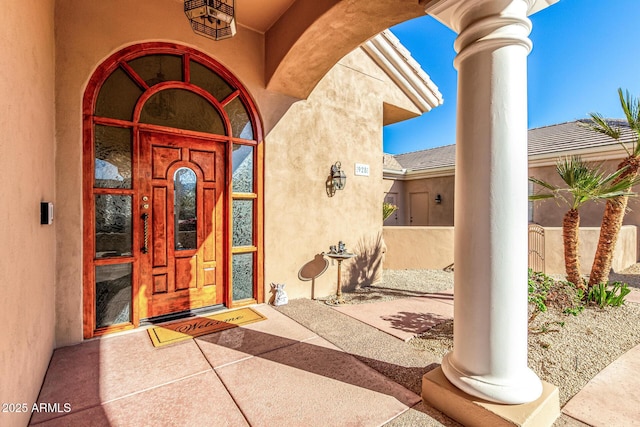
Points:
[(416, 248), (27, 253), (624, 255)]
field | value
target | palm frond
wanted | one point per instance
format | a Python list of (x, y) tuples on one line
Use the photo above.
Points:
[(542, 196), (601, 125), (553, 194), (631, 108), (587, 182), (544, 184)]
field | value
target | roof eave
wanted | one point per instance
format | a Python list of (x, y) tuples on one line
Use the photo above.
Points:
[(395, 60)]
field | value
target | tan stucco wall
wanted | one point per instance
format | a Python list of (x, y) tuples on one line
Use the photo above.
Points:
[(27, 253), (396, 189), (301, 142), (417, 248), (336, 27), (623, 256), (439, 214), (548, 213), (340, 121)]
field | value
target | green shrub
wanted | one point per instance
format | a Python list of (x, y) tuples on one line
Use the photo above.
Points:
[(539, 285), (545, 292), (609, 295), (387, 210)]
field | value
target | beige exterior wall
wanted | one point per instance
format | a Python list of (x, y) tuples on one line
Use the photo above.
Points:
[(547, 213), (27, 255), (302, 141), (394, 190), (624, 255), (439, 214), (416, 248), (340, 121)]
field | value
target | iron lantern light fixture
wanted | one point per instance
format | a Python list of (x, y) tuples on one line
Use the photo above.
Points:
[(214, 19), (338, 178)]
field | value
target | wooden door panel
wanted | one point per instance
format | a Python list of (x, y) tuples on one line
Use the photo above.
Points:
[(159, 226), (209, 244), (419, 209), (174, 279), (209, 276), (186, 273), (163, 158), (207, 162), (160, 285)]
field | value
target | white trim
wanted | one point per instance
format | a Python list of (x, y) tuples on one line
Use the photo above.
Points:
[(396, 61)]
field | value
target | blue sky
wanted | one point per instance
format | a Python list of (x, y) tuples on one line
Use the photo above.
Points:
[(583, 51)]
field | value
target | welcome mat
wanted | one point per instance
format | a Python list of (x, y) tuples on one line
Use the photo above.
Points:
[(196, 326)]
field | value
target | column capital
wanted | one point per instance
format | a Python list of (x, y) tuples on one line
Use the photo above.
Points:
[(489, 25), (446, 11)]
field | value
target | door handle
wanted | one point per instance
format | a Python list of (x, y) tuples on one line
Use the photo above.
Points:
[(145, 222)]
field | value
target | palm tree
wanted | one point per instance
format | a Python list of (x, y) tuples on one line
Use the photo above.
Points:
[(616, 207), (584, 183)]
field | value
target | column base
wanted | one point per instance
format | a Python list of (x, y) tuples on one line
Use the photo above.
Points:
[(522, 389), (471, 411)]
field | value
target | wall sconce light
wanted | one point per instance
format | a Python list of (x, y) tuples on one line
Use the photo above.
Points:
[(214, 19), (438, 199), (337, 179)]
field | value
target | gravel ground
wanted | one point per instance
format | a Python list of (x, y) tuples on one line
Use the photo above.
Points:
[(564, 350)]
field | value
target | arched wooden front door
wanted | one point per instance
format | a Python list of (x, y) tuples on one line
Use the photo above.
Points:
[(172, 189)]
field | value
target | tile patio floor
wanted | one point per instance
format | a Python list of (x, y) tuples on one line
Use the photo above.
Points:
[(275, 373), (270, 373)]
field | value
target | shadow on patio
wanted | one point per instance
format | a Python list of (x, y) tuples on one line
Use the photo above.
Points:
[(273, 372)]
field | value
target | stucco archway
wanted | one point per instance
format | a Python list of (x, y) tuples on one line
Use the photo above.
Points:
[(311, 37)]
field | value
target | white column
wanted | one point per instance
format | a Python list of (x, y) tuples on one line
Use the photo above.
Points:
[(489, 358)]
